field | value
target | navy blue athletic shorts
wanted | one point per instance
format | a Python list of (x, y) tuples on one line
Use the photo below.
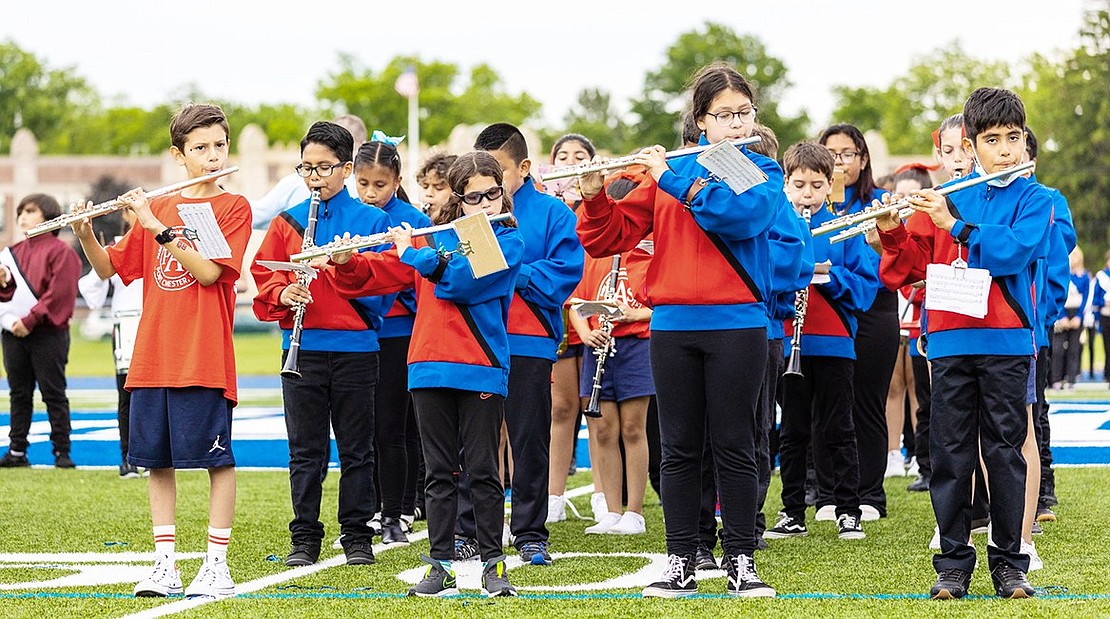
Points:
[(627, 374), (180, 428)]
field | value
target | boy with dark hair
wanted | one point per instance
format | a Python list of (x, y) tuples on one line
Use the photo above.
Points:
[(182, 374), (817, 406), (552, 267), (980, 365), (338, 356)]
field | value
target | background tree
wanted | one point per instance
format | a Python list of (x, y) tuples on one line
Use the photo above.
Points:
[(36, 96), (664, 96), (595, 117)]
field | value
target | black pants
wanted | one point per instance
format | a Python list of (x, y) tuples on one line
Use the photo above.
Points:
[(335, 389), (451, 421), (877, 343), (979, 400), (123, 414), (817, 410), (1047, 494), (707, 383), (707, 507), (922, 387), (1104, 322), (1067, 352), (414, 484), (655, 454), (40, 358), (392, 411)]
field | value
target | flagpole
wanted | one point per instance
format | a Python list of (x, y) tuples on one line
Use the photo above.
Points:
[(414, 144)]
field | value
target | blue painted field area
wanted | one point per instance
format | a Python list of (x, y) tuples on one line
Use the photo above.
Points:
[(1080, 430)]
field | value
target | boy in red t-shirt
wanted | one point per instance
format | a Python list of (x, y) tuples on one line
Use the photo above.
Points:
[(182, 375)]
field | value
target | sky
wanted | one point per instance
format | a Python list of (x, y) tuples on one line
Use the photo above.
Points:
[(140, 52)]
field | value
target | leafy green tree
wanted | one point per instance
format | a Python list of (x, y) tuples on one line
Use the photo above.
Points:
[(446, 98), (36, 96), (659, 108), (595, 117)]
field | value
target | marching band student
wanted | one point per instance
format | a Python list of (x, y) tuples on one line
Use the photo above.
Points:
[(980, 366), (709, 338), (566, 415), (128, 301), (626, 384), (552, 267), (338, 357), (876, 340), (182, 375), (817, 407), (36, 338), (432, 178), (378, 178), (1067, 348), (1101, 304), (458, 363), (910, 177)]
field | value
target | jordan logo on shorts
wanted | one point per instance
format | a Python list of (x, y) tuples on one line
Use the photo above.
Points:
[(216, 445)]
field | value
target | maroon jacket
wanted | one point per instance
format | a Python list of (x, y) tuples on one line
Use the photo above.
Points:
[(51, 268)]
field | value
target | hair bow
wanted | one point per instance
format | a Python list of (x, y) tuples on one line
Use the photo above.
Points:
[(378, 136)]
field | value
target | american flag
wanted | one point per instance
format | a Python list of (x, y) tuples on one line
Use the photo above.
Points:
[(407, 85)]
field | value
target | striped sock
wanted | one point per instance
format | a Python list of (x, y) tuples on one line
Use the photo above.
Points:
[(217, 543), (445, 563), (165, 536)]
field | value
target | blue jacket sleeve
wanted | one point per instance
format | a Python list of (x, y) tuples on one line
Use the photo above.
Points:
[(718, 210), (549, 281), (1057, 276), (1102, 286), (457, 283), (1010, 249), (1061, 215), (854, 283), (791, 255)]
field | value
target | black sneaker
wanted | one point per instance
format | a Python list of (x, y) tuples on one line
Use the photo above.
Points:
[(393, 532), (11, 461), (1036, 529), (704, 559), (1010, 583), (921, 484), (535, 553), (129, 471), (359, 552), (787, 526), (466, 549), (742, 580), (849, 527), (495, 579), (677, 580), (303, 553), (951, 584), (437, 581), (1045, 514), (63, 461), (979, 525), (760, 543)]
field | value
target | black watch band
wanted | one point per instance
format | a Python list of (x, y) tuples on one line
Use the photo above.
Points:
[(165, 236)]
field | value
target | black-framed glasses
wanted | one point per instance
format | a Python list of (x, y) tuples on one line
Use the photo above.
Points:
[(847, 156), (745, 115), (474, 198), (322, 170)]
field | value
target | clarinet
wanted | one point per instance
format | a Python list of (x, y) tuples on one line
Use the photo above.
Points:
[(801, 301), (602, 353), (291, 369)]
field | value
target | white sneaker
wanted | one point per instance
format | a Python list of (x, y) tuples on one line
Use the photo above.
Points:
[(556, 509), (630, 523), (213, 580), (406, 522), (895, 464), (598, 505), (607, 522), (826, 513), (1035, 562), (164, 580), (913, 470), (338, 543), (934, 544), (869, 512), (506, 536), (375, 524)]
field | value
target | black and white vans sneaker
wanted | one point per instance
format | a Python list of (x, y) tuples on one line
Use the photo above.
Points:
[(849, 527), (787, 526), (677, 580), (742, 579)]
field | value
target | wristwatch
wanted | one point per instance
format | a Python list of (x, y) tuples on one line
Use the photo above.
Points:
[(165, 236)]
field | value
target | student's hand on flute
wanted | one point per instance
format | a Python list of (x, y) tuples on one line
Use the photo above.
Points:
[(589, 185), (139, 204), (654, 158), (887, 222), (341, 257), (82, 228), (402, 237), (932, 203)]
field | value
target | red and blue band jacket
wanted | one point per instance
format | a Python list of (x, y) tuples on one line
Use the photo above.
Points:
[(459, 338), (1004, 230), (331, 323), (791, 269), (399, 320)]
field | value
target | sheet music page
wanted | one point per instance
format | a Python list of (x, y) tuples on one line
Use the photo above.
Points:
[(22, 300), (297, 267), (726, 162), (960, 290), (210, 239)]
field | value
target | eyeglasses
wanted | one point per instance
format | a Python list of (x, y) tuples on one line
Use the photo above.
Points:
[(745, 115), (474, 198), (847, 156), (322, 170)]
